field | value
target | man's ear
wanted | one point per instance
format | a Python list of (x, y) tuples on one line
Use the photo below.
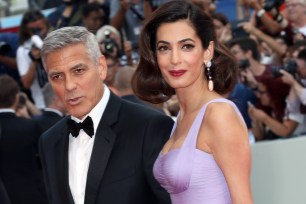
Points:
[(102, 67)]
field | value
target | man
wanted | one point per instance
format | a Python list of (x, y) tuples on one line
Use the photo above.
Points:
[(33, 28), (298, 90), (94, 16), (108, 159), (296, 10), (19, 165), (54, 111), (129, 15)]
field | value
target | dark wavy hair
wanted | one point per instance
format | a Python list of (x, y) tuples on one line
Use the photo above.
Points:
[(30, 16), (148, 83), (278, 92)]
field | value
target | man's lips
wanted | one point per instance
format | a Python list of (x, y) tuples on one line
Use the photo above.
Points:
[(74, 101), (177, 73)]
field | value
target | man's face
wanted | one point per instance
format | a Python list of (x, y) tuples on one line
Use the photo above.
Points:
[(112, 68), (301, 68), (238, 52), (295, 10), (94, 20), (76, 78), (39, 26)]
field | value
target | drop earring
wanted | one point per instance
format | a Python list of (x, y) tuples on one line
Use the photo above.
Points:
[(210, 81)]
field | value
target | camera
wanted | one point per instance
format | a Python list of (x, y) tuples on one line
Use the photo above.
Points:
[(37, 41), (270, 4), (4, 48), (290, 67), (244, 64), (108, 43)]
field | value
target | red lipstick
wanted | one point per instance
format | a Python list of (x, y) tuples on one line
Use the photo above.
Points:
[(177, 73)]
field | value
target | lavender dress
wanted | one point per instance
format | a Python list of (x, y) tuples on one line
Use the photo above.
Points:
[(190, 175)]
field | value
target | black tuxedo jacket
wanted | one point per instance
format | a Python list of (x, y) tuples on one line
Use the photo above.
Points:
[(128, 140), (19, 163), (47, 119)]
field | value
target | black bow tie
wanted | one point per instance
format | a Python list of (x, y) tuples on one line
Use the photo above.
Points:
[(86, 125)]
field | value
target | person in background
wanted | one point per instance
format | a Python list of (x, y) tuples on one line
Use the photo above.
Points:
[(111, 43), (8, 49), (25, 108), (112, 69), (20, 168), (128, 16), (54, 110), (297, 84), (103, 151), (33, 28), (94, 16), (222, 27), (69, 13), (179, 54), (279, 123)]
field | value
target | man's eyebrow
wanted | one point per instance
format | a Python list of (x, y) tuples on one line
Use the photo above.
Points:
[(81, 65)]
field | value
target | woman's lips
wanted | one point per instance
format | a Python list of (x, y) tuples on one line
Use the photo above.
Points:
[(177, 73)]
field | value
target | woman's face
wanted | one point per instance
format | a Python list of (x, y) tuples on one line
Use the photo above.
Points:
[(219, 28), (263, 95), (180, 55)]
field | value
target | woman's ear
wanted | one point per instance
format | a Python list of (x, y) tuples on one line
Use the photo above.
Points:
[(209, 52)]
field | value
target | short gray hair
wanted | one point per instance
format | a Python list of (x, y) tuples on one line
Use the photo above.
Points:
[(68, 36), (48, 94)]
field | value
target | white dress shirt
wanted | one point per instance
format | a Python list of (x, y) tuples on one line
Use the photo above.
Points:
[(80, 149)]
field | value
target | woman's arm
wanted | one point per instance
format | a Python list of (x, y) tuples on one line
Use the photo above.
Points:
[(227, 139)]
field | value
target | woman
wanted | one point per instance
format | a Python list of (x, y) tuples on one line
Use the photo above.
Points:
[(207, 158), (281, 122)]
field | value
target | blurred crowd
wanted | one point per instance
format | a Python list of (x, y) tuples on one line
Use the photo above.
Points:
[(268, 41)]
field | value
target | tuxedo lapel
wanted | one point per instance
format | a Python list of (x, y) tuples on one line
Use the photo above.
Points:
[(61, 161), (104, 142)]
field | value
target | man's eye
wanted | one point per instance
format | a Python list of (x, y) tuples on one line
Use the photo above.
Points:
[(79, 70), (56, 77)]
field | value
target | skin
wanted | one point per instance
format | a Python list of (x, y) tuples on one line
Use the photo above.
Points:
[(111, 71), (41, 25), (296, 13), (94, 20), (180, 49), (260, 118), (76, 79)]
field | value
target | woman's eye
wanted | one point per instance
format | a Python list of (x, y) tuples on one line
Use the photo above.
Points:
[(162, 48), (188, 47)]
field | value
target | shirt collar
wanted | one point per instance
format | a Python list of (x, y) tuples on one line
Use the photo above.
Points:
[(5, 110), (97, 112)]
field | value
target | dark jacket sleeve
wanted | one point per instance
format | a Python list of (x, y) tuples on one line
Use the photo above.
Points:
[(157, 133)]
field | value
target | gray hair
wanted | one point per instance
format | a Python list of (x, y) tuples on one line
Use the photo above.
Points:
[(48, 94), (68, 36)]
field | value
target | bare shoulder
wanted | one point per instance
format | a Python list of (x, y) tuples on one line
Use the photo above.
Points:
[(222, 124)]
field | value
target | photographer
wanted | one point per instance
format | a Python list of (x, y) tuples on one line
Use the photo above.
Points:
[(298, 90), (109, 39), (34, 27), (128, 16)]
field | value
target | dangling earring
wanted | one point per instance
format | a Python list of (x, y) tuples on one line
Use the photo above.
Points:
[(210, 81)]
